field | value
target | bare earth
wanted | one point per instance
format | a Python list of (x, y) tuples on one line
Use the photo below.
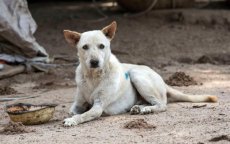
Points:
[(161, 40)]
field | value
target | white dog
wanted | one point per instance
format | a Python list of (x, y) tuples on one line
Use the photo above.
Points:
[(106, 85)]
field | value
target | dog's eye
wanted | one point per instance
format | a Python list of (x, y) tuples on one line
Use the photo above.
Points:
[(85, 47), (101, 46)]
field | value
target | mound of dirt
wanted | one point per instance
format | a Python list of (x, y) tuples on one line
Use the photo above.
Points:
[(220, 138), (219, 59), (185, 60), (180, 79), (199, 106), (6, 90), (205, 59), (15, 128), (138, 124), (44, 85), (53, 84), (216, 59)]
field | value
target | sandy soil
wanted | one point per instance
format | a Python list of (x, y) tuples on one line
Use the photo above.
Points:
[(167, 41)]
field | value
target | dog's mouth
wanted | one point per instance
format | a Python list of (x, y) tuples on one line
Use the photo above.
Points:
[(94, 67), (96, 70)]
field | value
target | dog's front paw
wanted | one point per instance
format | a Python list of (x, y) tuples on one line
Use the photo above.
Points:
[(135, 110), (69, 122), (146, 110)]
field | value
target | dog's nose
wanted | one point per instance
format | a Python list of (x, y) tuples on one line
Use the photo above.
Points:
[(94, 63)]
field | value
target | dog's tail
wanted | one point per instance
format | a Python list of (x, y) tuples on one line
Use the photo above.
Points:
[(177, 96)]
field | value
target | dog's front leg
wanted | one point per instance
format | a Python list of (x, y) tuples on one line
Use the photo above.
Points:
[(93, 113), (80, 105), (103, 95)]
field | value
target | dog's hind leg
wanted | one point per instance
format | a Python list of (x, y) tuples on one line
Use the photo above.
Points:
[(144, 109), (151, 87)]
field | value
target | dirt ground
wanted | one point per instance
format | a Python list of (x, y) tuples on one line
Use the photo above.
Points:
[(196, 42)]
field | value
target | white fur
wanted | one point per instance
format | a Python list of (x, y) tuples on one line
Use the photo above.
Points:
[(112, 87)]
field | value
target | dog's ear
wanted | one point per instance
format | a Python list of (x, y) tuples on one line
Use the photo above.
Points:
[(72, 37), (110, 30)]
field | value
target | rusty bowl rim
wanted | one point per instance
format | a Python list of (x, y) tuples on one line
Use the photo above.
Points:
[(43, 106)]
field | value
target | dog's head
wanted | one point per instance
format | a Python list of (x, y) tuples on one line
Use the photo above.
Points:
[(93, 46)]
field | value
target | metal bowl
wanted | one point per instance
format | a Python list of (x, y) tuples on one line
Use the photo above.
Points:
[(30, 114)]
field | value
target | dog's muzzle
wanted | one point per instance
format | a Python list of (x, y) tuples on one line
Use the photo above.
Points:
[(94, 63)]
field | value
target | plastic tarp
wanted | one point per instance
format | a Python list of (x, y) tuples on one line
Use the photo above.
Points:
[(16, 30)]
